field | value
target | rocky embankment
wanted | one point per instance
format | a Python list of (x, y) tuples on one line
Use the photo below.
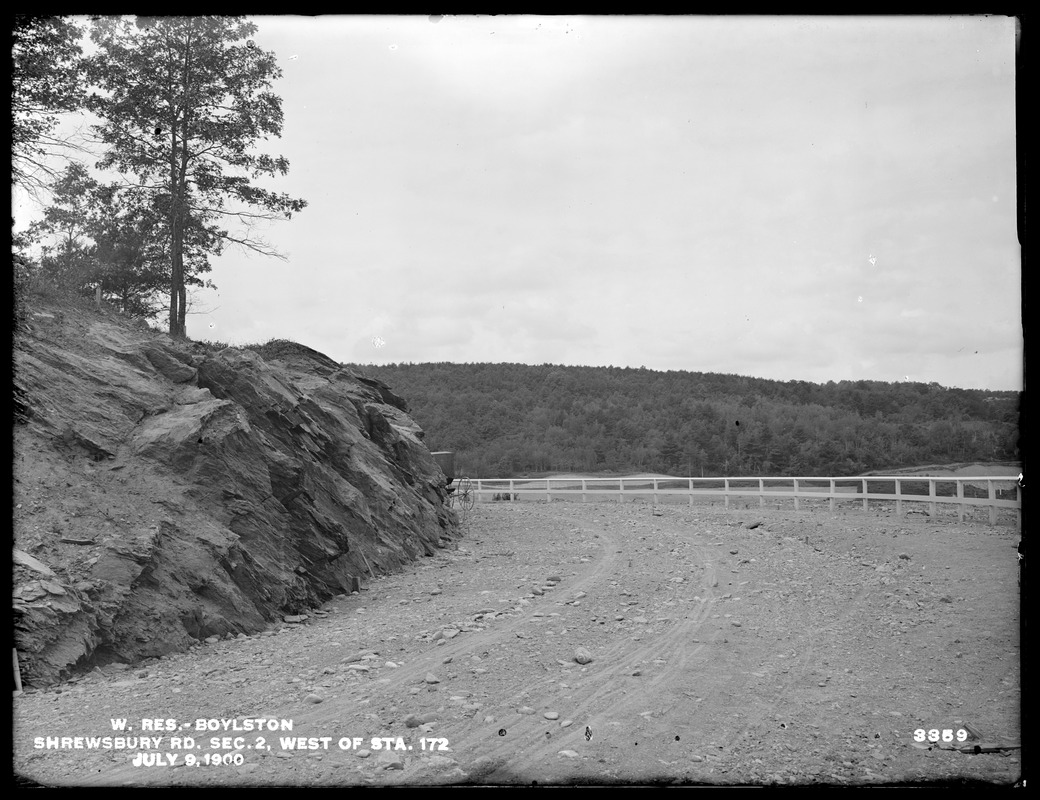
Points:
[(167, 492)]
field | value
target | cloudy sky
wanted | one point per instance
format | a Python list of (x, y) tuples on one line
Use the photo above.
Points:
[(789, 198)]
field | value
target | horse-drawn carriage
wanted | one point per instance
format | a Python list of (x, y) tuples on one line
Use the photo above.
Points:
[(462, 494)]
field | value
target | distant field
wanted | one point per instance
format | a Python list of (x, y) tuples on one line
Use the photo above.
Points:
[(975, 470), (1002, 469)]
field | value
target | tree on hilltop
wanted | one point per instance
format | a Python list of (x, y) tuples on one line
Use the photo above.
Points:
[(183, 102), (93, 236), (67, 255)]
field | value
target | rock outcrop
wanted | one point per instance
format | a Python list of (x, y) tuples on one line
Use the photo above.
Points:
[(167, 492)]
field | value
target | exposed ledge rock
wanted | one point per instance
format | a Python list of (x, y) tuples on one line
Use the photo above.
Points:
[(176, 492)]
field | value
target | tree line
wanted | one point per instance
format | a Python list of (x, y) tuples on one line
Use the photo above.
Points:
[(508, 420), (181, 104)]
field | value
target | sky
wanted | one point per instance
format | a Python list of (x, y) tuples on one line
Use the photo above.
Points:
[(793, 198)]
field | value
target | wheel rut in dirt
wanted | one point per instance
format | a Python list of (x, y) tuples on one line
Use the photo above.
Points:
[(808, 648)]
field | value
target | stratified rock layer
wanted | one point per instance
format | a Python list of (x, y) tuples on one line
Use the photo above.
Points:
[(214, 490)]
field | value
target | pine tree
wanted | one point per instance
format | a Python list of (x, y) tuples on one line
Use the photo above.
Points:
[(183, 102)]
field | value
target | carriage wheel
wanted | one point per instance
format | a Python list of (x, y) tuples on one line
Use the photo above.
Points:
[(467, 497)]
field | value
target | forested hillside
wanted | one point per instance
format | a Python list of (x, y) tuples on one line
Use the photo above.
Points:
[(505, 420)]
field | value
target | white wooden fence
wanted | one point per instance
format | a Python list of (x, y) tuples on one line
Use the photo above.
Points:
[(993, 492)]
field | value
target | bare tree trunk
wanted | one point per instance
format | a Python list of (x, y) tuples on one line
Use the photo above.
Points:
[(176, 276), (178, 170), (181, 324), (176, 240), (173, 307)]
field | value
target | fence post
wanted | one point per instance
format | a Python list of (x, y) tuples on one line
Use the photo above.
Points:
[(865, 494), (655, 491), (548, 495), (691, 492), (761, 493), (725, 490), (993, 504), (960, 499), (795, 494), (512, 496), (583, 490), (899, 502), (621, 490), (830, 500), (931, 494)]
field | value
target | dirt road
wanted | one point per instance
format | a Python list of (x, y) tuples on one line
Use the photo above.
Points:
[(720, 646)]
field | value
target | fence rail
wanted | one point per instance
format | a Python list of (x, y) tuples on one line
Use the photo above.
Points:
[(993, 492)]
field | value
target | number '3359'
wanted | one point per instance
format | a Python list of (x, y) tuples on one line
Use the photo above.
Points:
[(944, 735)]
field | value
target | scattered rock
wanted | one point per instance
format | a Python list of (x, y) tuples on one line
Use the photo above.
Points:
[(582, 656), (33, 563), (389, 759)]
